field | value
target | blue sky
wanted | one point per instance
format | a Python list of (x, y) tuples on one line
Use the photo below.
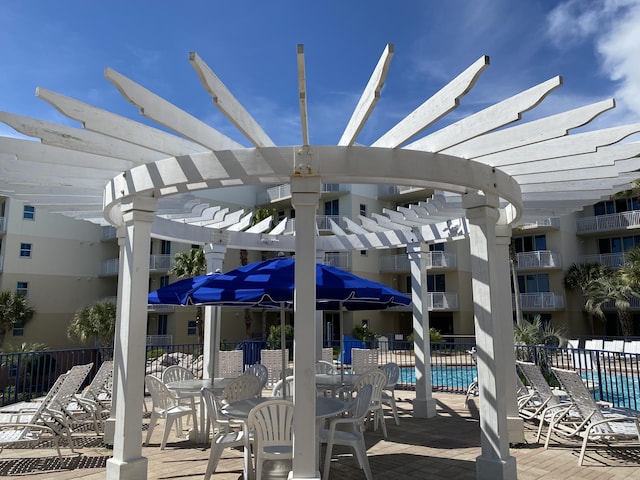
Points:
[(251, 45)]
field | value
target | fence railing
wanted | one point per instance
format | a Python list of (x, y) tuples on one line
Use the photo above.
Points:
[(612, 376)]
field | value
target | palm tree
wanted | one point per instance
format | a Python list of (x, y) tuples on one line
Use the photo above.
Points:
[(191, 264), (14, 309), (94, 321), (617, 289), (584, 278)]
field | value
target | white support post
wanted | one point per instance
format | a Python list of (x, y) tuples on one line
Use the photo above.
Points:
[(214, 254), (424, 405), (319, 316), (492, 312), (110, 423), (305, 194), (515, 423), (127, 462)]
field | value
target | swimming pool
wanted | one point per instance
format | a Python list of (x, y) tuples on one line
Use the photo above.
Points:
[(454, 377)]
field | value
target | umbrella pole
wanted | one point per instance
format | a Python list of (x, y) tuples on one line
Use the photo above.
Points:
[(341, 343), (283, 347)]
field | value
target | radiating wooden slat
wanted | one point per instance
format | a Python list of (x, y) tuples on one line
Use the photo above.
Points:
[(79, 139), (229, 105), (561, 147), (444, 101), (531, 132), (486, 120), (107, 123), (164, 113), (584, 173), (368, 99), (302, 95)]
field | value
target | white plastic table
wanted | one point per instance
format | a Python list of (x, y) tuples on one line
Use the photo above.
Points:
[(335, 381), (191, 388)]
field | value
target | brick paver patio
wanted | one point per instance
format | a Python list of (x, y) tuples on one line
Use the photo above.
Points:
[(444, 447)]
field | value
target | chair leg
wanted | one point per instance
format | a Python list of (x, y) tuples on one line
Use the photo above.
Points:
[(152, 424), (394, 409), (214, 457), (167, 429), (327, 460), (361, 455)]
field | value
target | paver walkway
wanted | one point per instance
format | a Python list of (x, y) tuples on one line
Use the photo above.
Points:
[(444, 447)]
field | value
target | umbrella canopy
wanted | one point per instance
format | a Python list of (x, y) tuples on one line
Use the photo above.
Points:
[(272, 282)]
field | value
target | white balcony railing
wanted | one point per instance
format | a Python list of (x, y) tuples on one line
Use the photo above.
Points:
[(323, 222), (538, 259), (611, 260), (541, 301), (439, 301), (162, 263), (551, 222), (614, 221), (340, 260), (400, 262), (283, 192)]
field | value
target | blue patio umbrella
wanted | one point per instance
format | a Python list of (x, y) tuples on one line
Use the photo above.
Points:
[(271, 283)]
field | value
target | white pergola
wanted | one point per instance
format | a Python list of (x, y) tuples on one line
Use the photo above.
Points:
[(492, 175)]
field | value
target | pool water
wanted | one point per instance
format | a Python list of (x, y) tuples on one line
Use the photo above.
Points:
[(454, 377)]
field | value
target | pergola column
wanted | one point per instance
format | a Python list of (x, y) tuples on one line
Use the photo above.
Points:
[(130, 352), (492, 312), (110, 423), (515, 423), (305, 194), (424, 405), (214, 254)]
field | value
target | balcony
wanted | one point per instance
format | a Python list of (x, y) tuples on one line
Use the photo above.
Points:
[(400, 263), (283, 192), (611, 260), (539, 259), (442, 301), (340, 260), (157, 263), (544, 224), (404, 192), (608, 223), (322, 221), (541, 301)]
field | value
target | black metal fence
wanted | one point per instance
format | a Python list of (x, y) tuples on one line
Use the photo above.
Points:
[(613, 376)]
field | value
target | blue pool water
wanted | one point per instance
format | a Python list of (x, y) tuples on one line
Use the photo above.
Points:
[(453, 377)]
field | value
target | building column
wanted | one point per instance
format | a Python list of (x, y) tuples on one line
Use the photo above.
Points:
[(214, 254), (305, 194), (424, 406), (515, 423), (492, 312), (127, 462), (110, 423)]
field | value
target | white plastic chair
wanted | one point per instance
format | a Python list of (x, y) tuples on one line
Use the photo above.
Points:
[(271, 425), (167, 407), (392, 370), (363, 359), (222, 436), (230, 363), (244, 386), (378, 380), (354, 437), (278, 388), (259, 371), (325, 368), (175, 373)]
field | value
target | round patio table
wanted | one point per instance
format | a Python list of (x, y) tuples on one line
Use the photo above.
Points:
[(191, 388), (335, 381)]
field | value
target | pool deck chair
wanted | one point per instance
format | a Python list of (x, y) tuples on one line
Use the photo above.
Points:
[(597, 424)]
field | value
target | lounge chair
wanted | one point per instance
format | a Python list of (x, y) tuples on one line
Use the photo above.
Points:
[(597, 423)]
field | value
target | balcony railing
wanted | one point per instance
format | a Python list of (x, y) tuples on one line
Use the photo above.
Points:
[(538, 259), (611, 260), (283, 192), (614, 221), (323, 222), (541, 301), (551, 222), (338, 259), (439, 301), (400, 262), (161, 262)]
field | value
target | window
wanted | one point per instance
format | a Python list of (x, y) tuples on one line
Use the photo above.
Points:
[(192, 328), (363, 253), (162, 324), (435, 283), (532, 243), (22, 288), (18, 329), (535, 283), (29, 212), (618, 244), (25, 250), (436, 247), (618, 205), (165, 247), (332, 207), (363, 209), (164, 281)]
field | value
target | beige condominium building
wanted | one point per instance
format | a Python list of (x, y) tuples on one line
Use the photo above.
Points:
[(63, 264)]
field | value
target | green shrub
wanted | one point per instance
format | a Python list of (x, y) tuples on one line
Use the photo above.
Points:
[(155, 353)]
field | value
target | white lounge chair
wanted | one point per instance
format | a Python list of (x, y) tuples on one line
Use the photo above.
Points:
[(596, 423)]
